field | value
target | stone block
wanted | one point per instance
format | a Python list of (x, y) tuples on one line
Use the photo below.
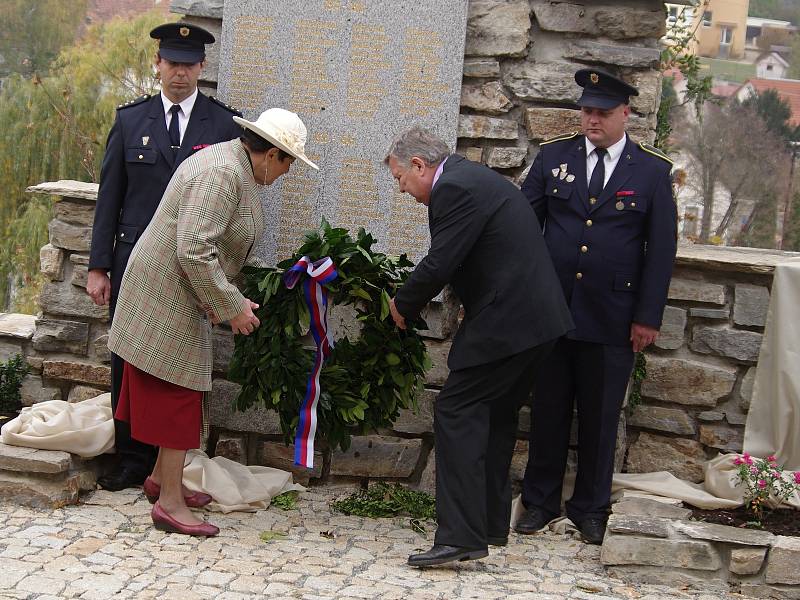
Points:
[(743, 346), (222, 346), (710, 313), (783, 560), (519, 460), (671, 420), (418, 422), (641, 128), (639, 525), (652, 508), (747, 561), (624, 56), (223, 415), (90, 373), (754, 589), (750, 304), (67, 188), (427, 479), (437, 351), (683, 458), (746, 389), (711, 416), (481, 67), (545, 81), (51, 262), (17, 326), (476, 126), (681, 554), (544, 123), (506, 158), (722, 437), (44, 492), (79, 393), (75, 212), (9, 350), (61, 336), (70, 237), (565, 17), (34, 362), (32, 391), (722, 533), (281, 456), (497, 28), (100, 347), (649, 85), (377, 456), (524, 423), (64, 299), (211, 68), (673, 325), (232, 447), (486, 97), (696, 291), (32, 460), (473, 153), (687, 381), (198, 8), (441, 317)]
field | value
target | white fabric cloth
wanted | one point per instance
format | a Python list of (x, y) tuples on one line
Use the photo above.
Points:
[(83, 428)]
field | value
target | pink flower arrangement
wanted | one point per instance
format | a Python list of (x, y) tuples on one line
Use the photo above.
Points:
[(797, 477), (763, 479)]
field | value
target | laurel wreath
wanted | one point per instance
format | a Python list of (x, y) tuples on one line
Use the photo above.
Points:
[(364, 383)]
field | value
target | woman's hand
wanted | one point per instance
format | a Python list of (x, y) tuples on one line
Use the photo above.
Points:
[(245, 322)]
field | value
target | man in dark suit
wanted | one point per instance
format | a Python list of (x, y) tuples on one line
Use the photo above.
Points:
[(150, 137), (609, 219), (485, 242)]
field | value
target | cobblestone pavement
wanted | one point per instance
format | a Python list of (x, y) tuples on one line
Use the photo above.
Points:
[(107, 548)]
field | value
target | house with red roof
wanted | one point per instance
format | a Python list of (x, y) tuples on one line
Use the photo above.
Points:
[(787, 89)]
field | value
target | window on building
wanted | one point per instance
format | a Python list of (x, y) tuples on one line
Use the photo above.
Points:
[(769, 67), (707, 18), (726, 35), (672, 15)]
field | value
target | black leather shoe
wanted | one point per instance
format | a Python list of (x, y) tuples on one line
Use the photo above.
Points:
[(592, 530), (531, 521), (121, 479), (497, 540), (441, 554)]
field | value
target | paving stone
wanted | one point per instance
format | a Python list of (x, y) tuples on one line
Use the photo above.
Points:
[(732, 343), (687, 382), (750, 304), (747, 561), (683, 554), (671, 420)]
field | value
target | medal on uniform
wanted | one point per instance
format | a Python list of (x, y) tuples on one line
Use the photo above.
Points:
[(562, 175), (619, 205), (570, 178), (563, 167), (145, 139), (554, 172)]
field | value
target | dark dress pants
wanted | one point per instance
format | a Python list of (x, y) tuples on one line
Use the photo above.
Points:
[(132, 454), (475, 425), (596, 377)]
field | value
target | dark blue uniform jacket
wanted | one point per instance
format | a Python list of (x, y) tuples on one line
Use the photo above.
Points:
[(614, 257)]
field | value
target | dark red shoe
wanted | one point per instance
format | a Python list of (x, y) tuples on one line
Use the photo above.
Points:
[(196, 500), (164, 522)]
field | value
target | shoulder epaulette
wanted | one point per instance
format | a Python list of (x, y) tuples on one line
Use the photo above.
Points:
[(138, 100), (227, 107), (559, 138), (650, 149)]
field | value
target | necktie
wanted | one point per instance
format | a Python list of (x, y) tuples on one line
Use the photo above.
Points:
[(598, 175), (174, 130)]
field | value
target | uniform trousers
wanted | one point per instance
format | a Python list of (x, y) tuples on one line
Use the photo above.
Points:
[(595, 376), (475, 425)]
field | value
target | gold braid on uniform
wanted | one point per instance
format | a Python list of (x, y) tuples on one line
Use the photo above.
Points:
[(559, 138), (650, 149)]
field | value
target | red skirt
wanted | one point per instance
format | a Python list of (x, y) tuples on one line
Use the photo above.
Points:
[(160, 413)]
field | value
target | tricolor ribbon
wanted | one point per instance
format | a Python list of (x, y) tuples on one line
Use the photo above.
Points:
[(319, 273)]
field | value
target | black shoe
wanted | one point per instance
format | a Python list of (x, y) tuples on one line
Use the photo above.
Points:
[(124, 477), (497, 540), (592, 530), (531, 521), (440, 554)]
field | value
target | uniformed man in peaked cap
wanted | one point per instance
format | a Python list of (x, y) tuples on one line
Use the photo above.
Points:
[(606, 207), (150, 137)]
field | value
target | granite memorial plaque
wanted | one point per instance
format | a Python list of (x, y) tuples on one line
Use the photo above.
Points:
[(357, 72)]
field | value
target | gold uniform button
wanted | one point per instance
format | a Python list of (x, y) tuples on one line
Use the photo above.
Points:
[(633, 203), (584, 249), (627, 284), (122, 235), (592, 200), (555, 190), (578, 275), (141, 156), (588, 222)]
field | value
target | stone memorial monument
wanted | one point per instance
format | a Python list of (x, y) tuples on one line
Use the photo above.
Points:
[(357, 72)]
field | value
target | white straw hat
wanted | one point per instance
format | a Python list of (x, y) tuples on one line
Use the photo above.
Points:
[(284, 129)]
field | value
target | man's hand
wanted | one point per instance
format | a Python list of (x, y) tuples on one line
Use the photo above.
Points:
[(399, 319), (98, 286), (642, 336), (245, 322)]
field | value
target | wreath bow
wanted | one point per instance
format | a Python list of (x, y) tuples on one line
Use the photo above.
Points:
[(318, 274)]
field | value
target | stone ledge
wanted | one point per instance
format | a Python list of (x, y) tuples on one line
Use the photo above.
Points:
[(16, 325), (726, 258), (43, 491), (68, 188), (33, 460)]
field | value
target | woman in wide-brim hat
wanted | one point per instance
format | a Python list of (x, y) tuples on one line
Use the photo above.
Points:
[(178, 282)]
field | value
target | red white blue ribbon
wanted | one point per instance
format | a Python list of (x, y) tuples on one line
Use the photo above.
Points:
[(319, 273)]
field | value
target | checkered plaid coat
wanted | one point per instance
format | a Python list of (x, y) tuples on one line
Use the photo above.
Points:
[(208, 221)]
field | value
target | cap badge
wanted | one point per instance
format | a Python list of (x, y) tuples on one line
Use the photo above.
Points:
[(184, 31), (594, 77)]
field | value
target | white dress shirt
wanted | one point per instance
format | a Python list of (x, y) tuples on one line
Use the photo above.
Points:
[(184, 113), (611, 158)]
